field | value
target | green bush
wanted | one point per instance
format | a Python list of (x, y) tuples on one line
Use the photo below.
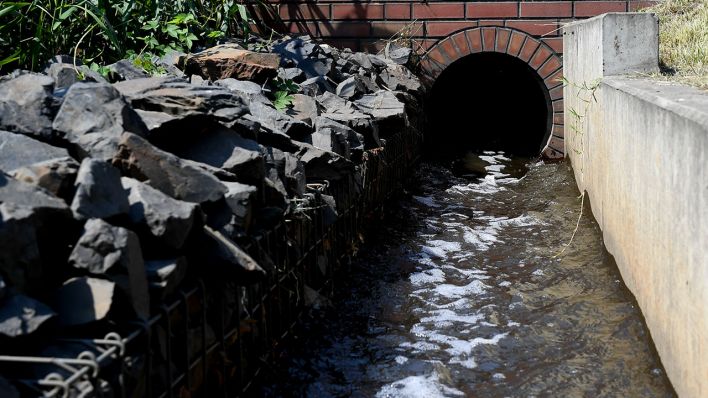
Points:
[(103, 31)]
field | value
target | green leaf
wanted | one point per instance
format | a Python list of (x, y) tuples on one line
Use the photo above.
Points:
[(12, 58), (282, 100), (64, 15), (12, 7), (243, 12)]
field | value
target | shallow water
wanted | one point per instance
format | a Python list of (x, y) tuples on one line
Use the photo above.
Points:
[(462, 293)]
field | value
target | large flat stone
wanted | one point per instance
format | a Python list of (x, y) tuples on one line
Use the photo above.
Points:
[(173, 176), (303, 108), (169, 220), (32, 223), (228, 61), (27, 105), (336, 137), (385, 109), (17, 150), (99, 193), (323, 165), (223, 148), (114, 253), (272, 119), (181, 99), (93, 116)]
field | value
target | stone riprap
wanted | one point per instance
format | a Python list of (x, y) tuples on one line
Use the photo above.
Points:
[(116, 190)]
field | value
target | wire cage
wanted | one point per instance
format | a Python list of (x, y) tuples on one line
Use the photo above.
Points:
[(214, 337)]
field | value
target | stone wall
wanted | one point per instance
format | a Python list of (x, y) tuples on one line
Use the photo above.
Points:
[(174, 227), (639, 149)]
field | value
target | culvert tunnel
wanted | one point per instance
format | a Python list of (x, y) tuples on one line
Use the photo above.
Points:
[(493, 89), (489, 101)]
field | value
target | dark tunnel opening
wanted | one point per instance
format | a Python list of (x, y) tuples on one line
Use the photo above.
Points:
[(488, 101)]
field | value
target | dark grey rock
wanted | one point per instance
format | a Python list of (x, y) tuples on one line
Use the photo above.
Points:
[(345, 112), (27, 105), (177, 97), (226, 259), (332, 103), (316, 67), (114, 252), (362, 60), (385, 109), (344, 66), (173, 176), (30, 219), (173, 58), (99, 193), (157, 120), (336, 137), (316, 85), (67, 70), (66, 74), (93, 116), (21, 315), (17, 150), (398, 54), (224, 148), (272, 119), (247, 91), (350, 88), (172, 63), (297, 49), (398, 78), (286, 172), (247, 127), (295, 178), (369, 82), (273, 138), (164, 276), (56, 176), (294, 74), (323, 165), (241, 198), (169, 220), (304, 108), (377, 62), (125, 70), (83, 300), (274, 193)]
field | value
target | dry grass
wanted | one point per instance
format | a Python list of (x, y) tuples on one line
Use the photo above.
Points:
[(683, 40)]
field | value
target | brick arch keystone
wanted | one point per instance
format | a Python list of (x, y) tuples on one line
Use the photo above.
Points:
[(535, 53)]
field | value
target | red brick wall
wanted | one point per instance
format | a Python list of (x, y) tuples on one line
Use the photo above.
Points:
[(365, 25), (449, 30)]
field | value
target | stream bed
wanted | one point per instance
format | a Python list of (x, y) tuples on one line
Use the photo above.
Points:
[(466, 290)]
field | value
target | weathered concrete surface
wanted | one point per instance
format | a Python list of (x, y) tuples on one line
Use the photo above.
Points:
[(639, 150)]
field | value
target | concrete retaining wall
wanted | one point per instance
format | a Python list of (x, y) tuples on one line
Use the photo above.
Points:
[(639, 148)]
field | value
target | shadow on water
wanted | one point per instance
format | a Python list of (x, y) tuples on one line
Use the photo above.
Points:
[(460, 292)]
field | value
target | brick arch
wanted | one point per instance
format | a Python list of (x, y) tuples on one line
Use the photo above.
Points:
[(535, 53)]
